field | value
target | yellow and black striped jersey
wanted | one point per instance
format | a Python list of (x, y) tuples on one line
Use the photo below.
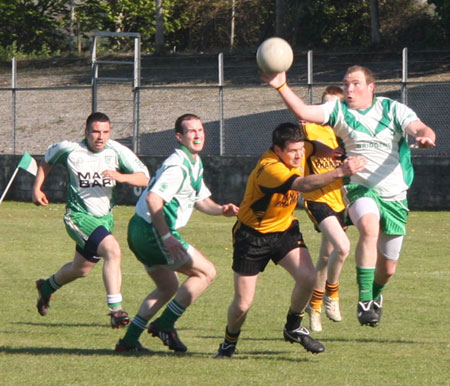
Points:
[(330, 194), (269, 203)]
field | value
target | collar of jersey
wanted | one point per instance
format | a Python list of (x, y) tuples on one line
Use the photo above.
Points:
[(188, 153)]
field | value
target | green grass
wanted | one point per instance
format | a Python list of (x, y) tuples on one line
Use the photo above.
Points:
[(73, 344)]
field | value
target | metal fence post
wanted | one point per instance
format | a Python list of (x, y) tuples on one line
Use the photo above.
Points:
[(221, 111), (94, 74), (136, 92), (14, 95), (310, 76), (404, 75)]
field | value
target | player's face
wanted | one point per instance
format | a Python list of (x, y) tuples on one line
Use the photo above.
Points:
[(193, 136), (97, 135), (358, 94), (292, 154)]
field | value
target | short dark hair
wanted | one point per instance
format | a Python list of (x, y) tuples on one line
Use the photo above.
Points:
[(286, 132), (96, 117), (179, 122)]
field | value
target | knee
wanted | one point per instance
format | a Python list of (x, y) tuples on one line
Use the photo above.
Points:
[(208, 273), (390, 271), (343, 250), (306, 278), (113, 254), (368, 227), (240, 307), (211, 274)]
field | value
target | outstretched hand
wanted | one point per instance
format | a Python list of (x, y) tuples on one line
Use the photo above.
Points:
[(353, 165), (423, 143), (230, 210)]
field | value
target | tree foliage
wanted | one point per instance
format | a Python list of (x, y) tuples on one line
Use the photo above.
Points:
[(33, 26), (443, 14)]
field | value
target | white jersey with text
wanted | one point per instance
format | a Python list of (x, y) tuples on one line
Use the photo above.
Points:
[(179, 182), (88, 191), (379, 134)]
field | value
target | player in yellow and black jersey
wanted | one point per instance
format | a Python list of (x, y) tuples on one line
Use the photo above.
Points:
[(267, 230), (326, 209)]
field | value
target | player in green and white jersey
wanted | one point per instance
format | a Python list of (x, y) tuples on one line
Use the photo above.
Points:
[(375, 128), (94, 166), (165, 206)]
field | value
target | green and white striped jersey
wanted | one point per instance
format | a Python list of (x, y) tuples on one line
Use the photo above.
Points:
[(379, 134), (87, 190), (179, 182)]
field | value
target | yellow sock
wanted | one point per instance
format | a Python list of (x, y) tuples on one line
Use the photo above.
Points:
[(316, 299), (332, 290)]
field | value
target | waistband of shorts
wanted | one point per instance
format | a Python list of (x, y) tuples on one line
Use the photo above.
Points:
[(241, 225)]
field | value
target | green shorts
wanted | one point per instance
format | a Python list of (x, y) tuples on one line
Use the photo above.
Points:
[(145, 242), (80, 226), (393, 214)]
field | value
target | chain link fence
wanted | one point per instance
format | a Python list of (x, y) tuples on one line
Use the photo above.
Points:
[(50, 105)]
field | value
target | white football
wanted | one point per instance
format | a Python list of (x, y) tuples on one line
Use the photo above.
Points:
[(274, 55)]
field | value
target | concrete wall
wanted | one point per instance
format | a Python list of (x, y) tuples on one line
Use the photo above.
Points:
[(226, 178)]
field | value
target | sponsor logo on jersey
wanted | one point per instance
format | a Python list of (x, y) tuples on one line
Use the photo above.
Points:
[(289, 198), (91, 180)]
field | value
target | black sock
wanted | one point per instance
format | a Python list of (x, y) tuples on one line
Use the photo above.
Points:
[(231, 338), (293, 320)]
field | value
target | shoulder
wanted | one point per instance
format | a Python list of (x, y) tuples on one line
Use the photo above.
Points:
[(118, 147), (65, 147)]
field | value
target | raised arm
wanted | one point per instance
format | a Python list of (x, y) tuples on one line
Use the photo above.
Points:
[(37, 195), (310, 113)]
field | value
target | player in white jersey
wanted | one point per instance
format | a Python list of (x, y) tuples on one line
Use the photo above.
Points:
[(94, 166), (165, 206), (376, 128)]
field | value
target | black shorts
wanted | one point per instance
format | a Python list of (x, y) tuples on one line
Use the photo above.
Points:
[(253, 250), (319, 211)]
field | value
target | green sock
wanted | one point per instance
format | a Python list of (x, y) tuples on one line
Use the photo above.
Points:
[(134, 331), (365, 278), (170, 315), (50, 285), (377, 290)]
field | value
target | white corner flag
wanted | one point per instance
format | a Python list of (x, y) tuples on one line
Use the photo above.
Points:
[(28, 163)]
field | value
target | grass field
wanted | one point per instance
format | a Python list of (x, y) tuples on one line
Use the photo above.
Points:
[(73, 344)]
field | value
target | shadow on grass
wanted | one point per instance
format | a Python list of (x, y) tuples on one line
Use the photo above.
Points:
[(266, 355), (349, 340), (44, 324)]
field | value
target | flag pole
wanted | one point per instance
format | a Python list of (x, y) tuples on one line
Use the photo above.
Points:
[(9, 184)]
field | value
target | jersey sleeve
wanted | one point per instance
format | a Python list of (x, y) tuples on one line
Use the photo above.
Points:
[(403, 115), (330, 112), (128, 161), (59, 152), (276, 178), (203, 193)]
